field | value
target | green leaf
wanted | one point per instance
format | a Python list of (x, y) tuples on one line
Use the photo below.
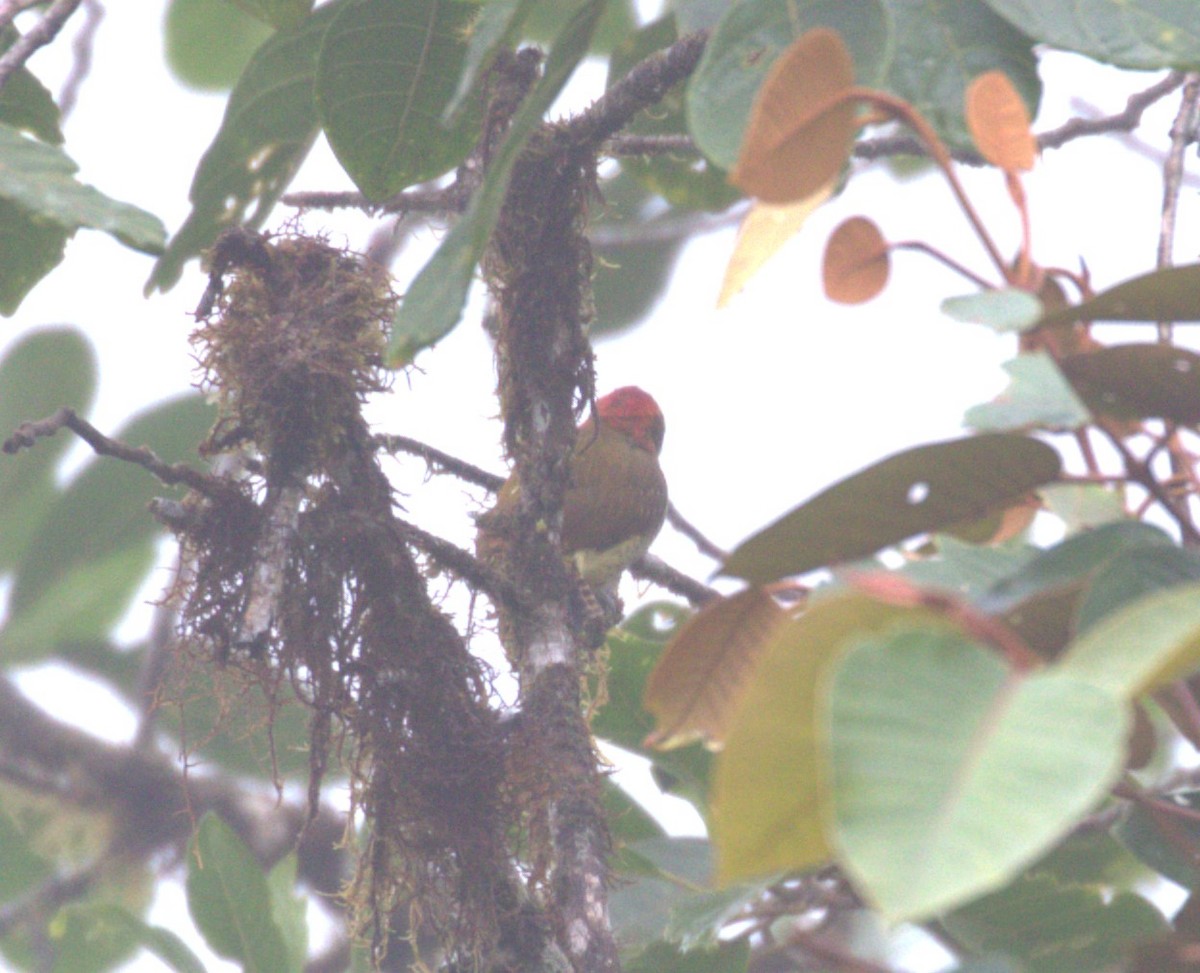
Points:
[(30, 248), (1142, 833), (744, 45), (269, 126), (290, 910), (25, 103), (1142, 381), (1145, 34), (209, 42), (661, 957), (112, 922), (951, 773), (698, 921), (683, 771), (1170, 294), (78, 606), (1134, 573), (103, 511), (1054, 928), (672, 868), (39, 374), (1005, 310), (919, 490), (1037, 396), (1082, 506), (967, 569), (386, 72), (1071, 562), (434, 301), (1142, 646), (230, 902), (40, 179), (942, 46), (277, 13)]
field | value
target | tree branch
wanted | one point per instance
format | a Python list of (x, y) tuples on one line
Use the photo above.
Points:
[(171, 474), (39, 35), (642, 87)]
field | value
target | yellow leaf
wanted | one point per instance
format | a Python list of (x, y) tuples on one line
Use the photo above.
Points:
[(770, 799), (701, 674), (763, 232)]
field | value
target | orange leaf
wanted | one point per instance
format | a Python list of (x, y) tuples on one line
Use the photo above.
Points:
[(763, 232), (856, 263), (999, 123), (700, 676), (801, 126)]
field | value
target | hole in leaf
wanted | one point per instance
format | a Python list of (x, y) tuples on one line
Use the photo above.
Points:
[(917, 494)]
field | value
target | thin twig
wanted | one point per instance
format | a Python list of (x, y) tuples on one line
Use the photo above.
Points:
[(456, 560), (435, 202), (39, 35), (9, 9), (692, 533), (171, 474), (1183, 133), (653, 569), (440, 462), (1123, 121), (620, 145), (81, 51)]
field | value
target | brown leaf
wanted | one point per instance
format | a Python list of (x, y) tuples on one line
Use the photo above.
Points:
[(801, 127), (857, 262), (999, 123), (700, 676)]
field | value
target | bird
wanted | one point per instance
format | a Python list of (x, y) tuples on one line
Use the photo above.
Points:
[(616, 498)]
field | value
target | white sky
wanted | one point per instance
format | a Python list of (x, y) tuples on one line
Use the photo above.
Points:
[(766, 402)]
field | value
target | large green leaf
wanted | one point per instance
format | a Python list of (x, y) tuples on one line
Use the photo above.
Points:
[(1146, 34), (1134, 573), (1170, 294), (941, 46), (230, 902), (744, 45), (209, 42), (1005, 310), (922, 489), (1146, 644), (269, 126), (672, 869), (951, 772), (42, 372), (1055, 928), (40, 179), (386, 72), (1142, 381), (434, 301), (277, 13)]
